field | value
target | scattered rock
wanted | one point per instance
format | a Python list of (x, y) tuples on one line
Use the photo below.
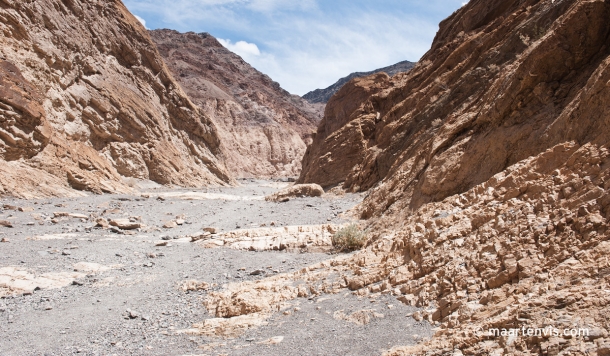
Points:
[(78, 216), (90, 267), (298, 190), (272, 341), (211, 230), (170, 224), (131, 314), (102, 222), (193, 285), (125, 224)]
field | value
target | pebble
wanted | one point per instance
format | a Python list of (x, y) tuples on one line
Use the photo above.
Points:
[(211, 230), (170, 224), (131, 314)]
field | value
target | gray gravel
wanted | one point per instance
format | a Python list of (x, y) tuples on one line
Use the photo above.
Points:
[(133, 309)]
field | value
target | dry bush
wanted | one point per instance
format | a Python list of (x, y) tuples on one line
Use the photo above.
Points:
[(349, 238)]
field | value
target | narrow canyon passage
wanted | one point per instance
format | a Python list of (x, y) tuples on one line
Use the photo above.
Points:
[(73, 282)]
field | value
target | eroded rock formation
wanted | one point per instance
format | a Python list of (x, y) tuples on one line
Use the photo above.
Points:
[(503, 81), (344, 134), (488, 171), (264, 130), (85, 100)]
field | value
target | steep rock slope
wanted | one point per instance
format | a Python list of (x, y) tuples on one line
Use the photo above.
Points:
[(489, 172), (264, 130), (503, 81), (86, 99), (324, 95), (340, 140)]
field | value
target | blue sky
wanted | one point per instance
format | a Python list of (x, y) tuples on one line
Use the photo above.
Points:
[(307, 44)]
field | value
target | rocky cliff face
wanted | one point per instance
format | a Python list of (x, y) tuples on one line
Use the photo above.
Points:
[(324, 95), (488, 171), (86, 100), (344, 133), (502, 82), (263, 129)]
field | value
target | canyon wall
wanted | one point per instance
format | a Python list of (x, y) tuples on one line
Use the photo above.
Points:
[(502, 82), (487, 171), (263, 129), (487, 168), (86, 101)]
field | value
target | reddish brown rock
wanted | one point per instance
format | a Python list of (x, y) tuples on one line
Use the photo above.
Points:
[(491, 167), (344, 134), (263, 129), (85, 99), (504, 81)]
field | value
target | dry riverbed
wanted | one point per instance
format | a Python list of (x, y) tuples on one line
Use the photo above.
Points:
[(71, 282)]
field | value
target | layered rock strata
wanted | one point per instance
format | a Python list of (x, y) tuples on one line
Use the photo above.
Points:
[(86, 100), (488, 170), (264, 130), (503, 81)]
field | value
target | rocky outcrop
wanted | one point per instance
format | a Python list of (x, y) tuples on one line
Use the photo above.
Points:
[(488, 171), (323, 95), (296, 191), (503, 81), (264, 130), (344, 134), (86, 100)]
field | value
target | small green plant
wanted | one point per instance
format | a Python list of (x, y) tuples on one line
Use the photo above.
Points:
[(349, 238)]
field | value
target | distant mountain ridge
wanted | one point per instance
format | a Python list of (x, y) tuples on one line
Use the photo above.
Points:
[(263, 129), (323, 95)]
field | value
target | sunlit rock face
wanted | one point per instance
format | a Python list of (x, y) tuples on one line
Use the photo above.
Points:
[(264, 130), (87, 100)]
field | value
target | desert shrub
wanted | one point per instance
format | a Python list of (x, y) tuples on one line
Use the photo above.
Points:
[(349, 238)]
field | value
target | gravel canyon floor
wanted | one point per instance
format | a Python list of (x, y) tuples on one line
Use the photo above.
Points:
[(71, 283)]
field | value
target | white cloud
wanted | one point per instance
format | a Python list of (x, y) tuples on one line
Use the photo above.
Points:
[(141, 20), (269, 6), (242, 48), (317, 54), (307, 44)]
